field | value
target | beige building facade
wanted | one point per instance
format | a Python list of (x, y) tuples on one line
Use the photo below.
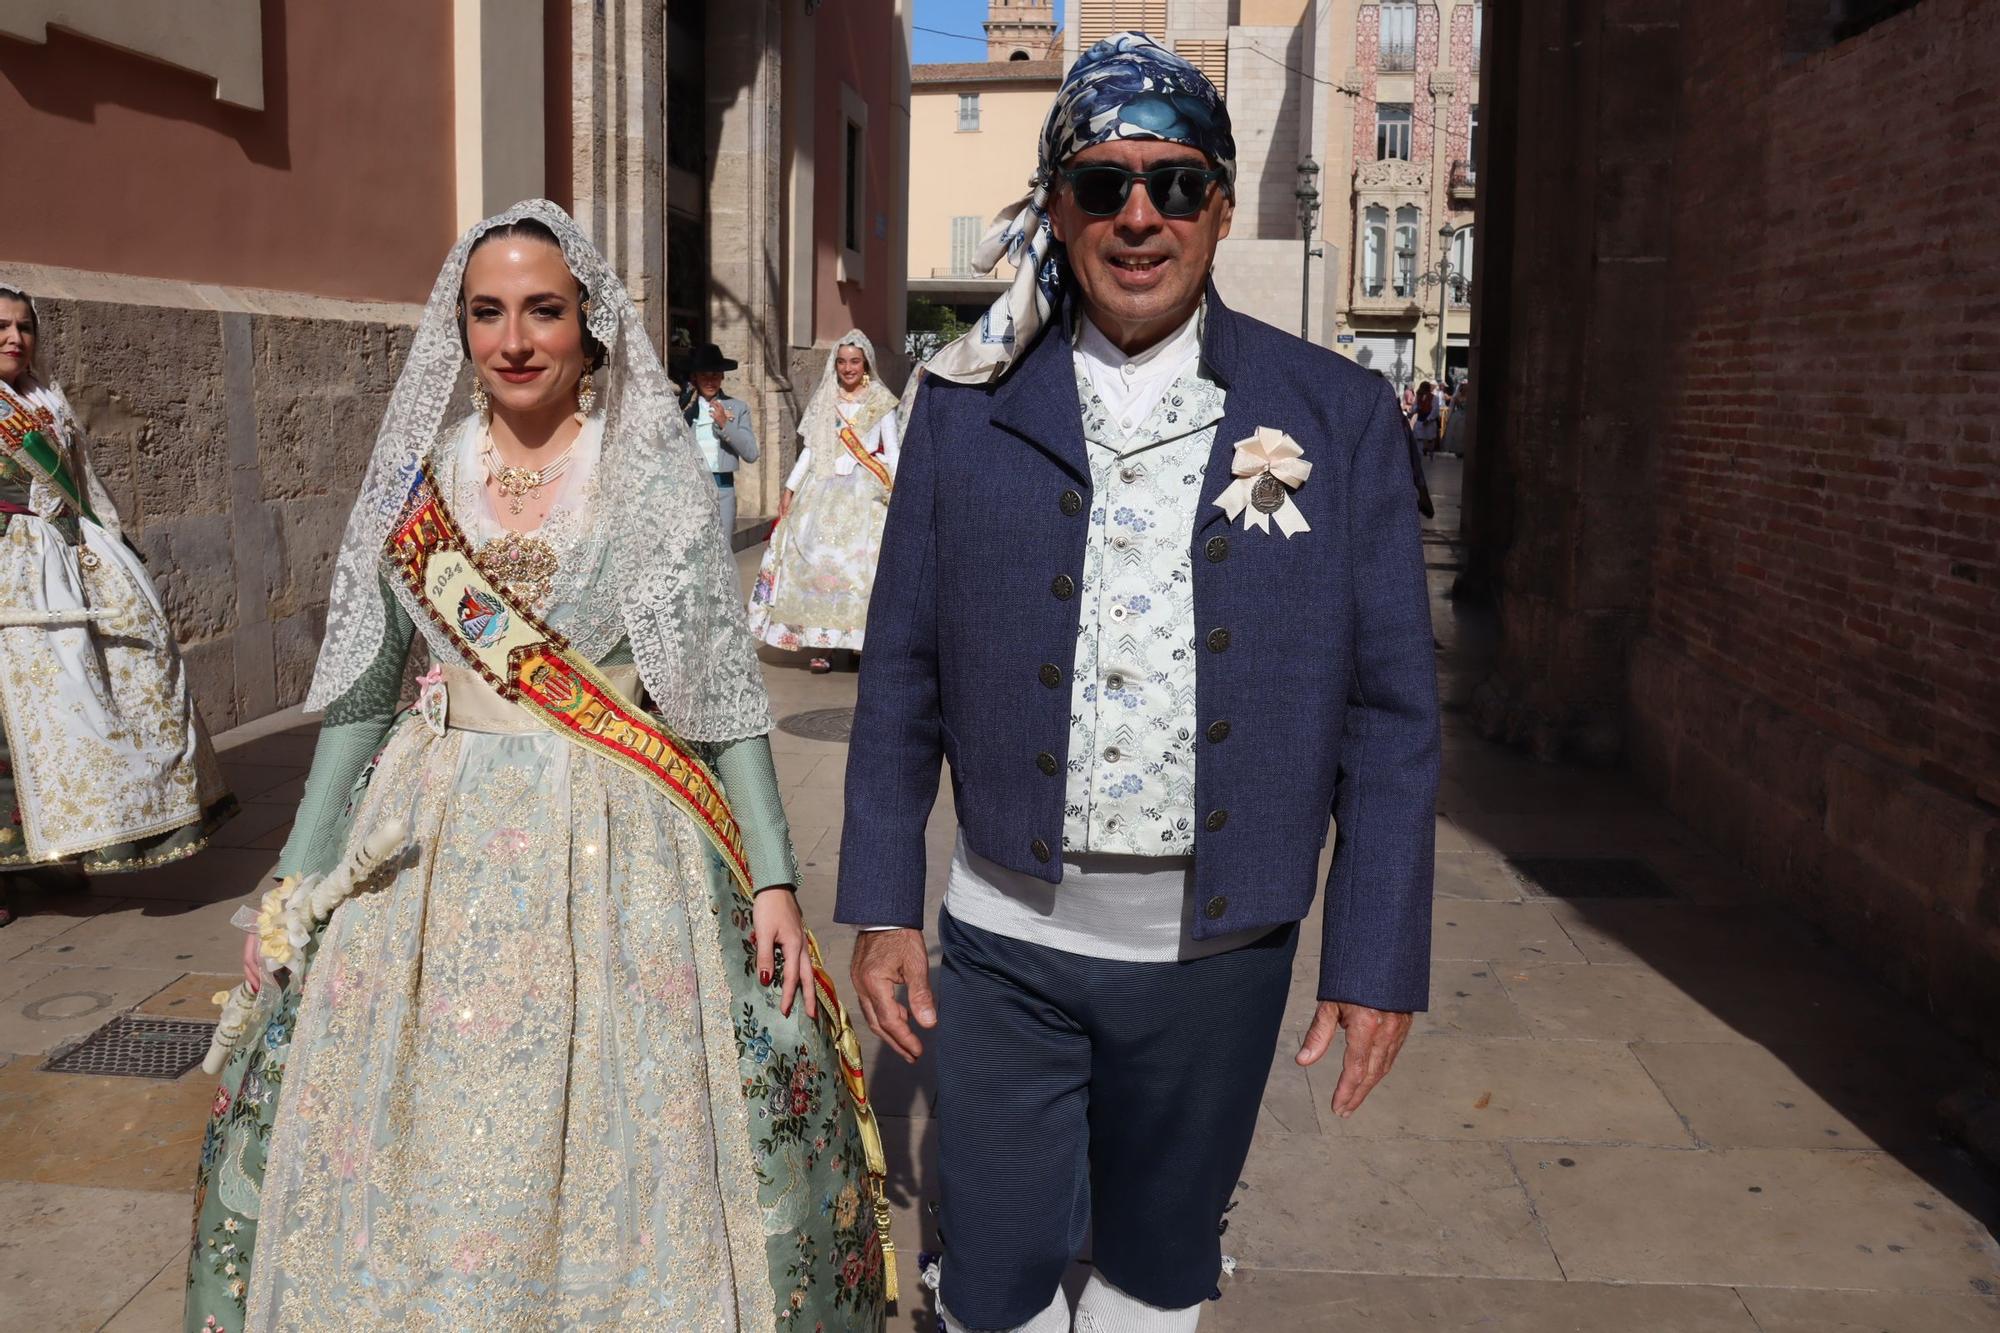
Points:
[(973, 130)]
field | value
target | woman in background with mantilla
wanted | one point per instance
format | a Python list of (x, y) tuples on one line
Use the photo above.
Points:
[(812, 589), (562, 1059), (104, 764)]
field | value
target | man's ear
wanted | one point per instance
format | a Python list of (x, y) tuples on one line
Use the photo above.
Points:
[(1228, 216), (1056, 215)]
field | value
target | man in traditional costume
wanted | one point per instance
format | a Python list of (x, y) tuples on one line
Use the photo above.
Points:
[(1152, 585), (721, 425), (104, 762)]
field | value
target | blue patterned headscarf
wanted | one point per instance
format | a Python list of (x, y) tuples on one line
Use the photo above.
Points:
[(1125, 87)]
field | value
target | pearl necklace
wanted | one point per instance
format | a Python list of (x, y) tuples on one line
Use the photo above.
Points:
[(517, 483)]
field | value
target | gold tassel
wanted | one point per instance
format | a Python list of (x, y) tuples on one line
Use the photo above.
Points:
[(848, 1049)]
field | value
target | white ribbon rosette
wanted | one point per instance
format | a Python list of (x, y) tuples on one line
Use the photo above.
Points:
[(1268, 467)]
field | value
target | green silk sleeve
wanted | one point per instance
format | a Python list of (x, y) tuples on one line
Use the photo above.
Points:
[(350, 735), (750, 781)]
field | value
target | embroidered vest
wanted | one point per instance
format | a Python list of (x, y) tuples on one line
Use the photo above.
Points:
[(1132, 707)]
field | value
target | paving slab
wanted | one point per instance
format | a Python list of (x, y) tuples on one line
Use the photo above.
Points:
[(1505, 932), (1467, 1000), (158, 1306), (72, 1257), (1774, 1217), (1795, 1311), (73, 1002), (1479, 875), (1477, 1088), (119, 1133), (216, 875), (1577, 1001), (1263, 1300), (193, 936), (190, 997), (1385, 1206), (42, 916), (1745, 1096)]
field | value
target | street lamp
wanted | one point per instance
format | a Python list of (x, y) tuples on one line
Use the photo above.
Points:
[(1447, 280), (1308, 197)]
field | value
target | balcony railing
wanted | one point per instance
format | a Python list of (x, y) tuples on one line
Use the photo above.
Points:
[(1464, 179), (1398, 58)]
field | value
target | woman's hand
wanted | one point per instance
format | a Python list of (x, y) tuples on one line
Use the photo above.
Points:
[(775, 921), (253, 964), (784, 505)]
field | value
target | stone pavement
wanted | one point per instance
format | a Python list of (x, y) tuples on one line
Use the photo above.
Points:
[(1671, 1113)]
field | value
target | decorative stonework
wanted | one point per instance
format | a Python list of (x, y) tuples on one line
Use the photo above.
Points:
[(1367, 57), (1466, 91), (1423, 127), (1392, 179)]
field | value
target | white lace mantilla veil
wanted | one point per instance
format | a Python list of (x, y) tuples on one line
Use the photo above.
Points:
[(820, 421), (677, 586), (57, 401)]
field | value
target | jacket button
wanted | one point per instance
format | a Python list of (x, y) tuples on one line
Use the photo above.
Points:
[(1218, 732), (1047, 763), (1051, 674), (1216, 819), (1041, 853), (1071, 502), (1218, 550), (1216, 907), (1064, 587), (1218, 641)]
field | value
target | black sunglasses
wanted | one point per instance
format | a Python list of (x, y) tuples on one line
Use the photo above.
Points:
[(1177, 191)]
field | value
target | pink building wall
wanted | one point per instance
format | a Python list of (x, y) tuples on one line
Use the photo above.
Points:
[(341, 186), (856, 41)]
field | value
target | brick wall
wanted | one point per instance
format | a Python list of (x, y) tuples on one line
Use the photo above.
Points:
[(1737, 482), (1818, 679)]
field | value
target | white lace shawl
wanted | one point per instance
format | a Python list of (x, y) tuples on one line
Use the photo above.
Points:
[(821, 417), (675, 581)]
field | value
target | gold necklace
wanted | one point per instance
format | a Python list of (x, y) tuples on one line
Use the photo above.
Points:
[(517, 483)]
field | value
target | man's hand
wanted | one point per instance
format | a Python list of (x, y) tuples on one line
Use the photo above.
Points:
[(1373, 1038), (719, 414), (884, 960)]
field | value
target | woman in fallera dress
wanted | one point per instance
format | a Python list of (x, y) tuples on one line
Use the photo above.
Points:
[(812, 588), (562, 1059), (104, 764)]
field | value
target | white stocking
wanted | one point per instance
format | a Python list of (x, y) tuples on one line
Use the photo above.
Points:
[(1105, 1309)]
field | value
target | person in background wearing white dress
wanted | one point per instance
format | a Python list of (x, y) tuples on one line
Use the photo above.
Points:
[(812, 590)]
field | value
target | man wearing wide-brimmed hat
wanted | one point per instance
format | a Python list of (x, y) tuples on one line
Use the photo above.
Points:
[(1152, 583), (721, 426)]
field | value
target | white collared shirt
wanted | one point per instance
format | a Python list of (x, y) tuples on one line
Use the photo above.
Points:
[(1130, 387)]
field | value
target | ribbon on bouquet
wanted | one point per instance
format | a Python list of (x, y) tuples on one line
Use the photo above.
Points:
[(1268, 467)]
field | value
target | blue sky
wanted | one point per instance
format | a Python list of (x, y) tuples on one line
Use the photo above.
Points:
[(953, 16)]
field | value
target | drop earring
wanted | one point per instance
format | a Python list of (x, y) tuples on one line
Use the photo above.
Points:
[(481, 403), (586, 396)]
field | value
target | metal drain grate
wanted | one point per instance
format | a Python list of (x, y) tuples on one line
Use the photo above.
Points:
[(138, 1047), (1588, 877), (820, 724)]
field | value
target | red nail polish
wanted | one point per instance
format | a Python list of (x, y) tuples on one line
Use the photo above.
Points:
[(765, 976)]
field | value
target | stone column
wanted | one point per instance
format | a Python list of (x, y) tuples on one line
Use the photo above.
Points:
[(746, 266), (618, 124)]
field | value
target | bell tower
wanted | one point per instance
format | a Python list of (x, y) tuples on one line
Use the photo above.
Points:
[(1021, 30)]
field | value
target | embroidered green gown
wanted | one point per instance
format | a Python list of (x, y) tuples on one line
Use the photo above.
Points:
[(530, 1080)]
